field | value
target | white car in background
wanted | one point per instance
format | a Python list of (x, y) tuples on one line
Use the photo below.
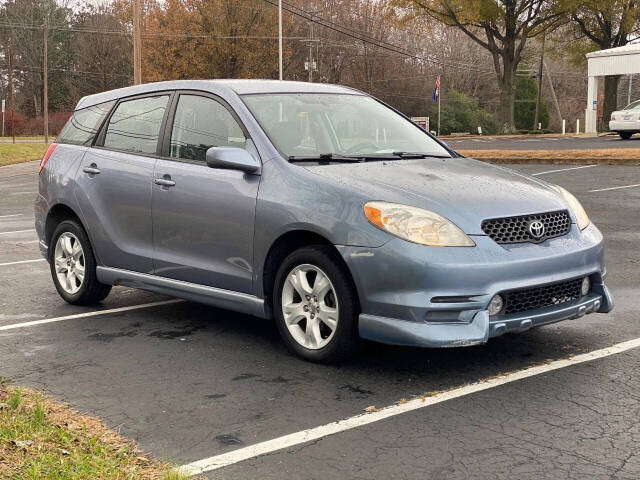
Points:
[(626, 122)]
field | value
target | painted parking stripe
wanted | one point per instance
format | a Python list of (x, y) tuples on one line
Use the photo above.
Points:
[(12, 215), (22, 261), (564, 169), (88, 314), (17, 231), (615, 188), (304, 436)]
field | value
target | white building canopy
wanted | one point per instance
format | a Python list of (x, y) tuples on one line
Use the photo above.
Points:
[(614, 61)]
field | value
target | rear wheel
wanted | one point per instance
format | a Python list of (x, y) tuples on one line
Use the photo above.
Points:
[(316, 306), (625, 135), (73, 265)]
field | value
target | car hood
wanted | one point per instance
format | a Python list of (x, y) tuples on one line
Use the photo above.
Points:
[(463, 190)]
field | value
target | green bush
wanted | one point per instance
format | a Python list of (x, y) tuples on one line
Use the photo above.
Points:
[(461, 113), (525, 111)]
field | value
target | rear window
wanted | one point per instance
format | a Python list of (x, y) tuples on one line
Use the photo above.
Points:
[(135, 125), (84, 124)]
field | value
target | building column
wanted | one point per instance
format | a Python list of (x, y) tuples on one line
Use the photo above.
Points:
[(591, 113)]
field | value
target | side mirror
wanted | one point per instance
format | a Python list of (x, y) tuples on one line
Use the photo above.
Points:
[(232, 158)]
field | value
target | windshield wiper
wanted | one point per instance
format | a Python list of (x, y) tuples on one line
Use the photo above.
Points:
[(365, 157), (409, 155), (325, 158)]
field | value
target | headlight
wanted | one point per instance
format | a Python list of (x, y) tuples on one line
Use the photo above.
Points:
[(581, 216), (416, 225)]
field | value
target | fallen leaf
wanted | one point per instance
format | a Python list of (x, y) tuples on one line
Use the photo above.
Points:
[(22, 443), (371, 409)]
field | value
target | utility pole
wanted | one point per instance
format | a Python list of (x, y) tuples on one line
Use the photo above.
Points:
[(280, 38), (553, 93), (45, 80), (311, 49), (137, 44), (11, 106), (537, 115)]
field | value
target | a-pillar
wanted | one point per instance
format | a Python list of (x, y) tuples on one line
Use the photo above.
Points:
[(591, 113)]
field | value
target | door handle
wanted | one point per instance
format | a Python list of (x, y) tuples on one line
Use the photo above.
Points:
[(91, 169), (165, 181)]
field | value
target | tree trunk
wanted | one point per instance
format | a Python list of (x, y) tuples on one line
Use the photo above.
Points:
[(507, 100), (610, 99)]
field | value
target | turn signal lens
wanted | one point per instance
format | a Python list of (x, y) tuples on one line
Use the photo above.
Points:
[(47, 154), (416, 225), (578, 210)]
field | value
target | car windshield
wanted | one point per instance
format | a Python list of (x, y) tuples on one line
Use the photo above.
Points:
[(338, 125), (633, 106)]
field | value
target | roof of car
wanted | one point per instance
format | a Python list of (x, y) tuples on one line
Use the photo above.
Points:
[(240, 87)]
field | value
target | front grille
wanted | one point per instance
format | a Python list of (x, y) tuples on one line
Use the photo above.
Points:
[(517, 301), (516, 229)]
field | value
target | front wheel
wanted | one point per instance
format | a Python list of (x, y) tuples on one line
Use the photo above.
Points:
[(73, 265), (625, 135), (316, 306)]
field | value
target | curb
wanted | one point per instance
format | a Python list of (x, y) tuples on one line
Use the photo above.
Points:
[(564, 161)]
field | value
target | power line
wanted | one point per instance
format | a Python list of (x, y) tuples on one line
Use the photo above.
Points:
[(347, 31), (29, 68)]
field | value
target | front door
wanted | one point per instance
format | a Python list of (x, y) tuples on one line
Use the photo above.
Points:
[(115, 181), (203, 218)]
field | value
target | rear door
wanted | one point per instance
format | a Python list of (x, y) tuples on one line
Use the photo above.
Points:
[(115, 182), (203, 218)]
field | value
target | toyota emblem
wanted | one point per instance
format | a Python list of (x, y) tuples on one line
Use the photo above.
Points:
[(536, 229)]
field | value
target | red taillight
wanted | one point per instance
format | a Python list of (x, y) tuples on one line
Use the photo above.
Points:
[(47, 154)]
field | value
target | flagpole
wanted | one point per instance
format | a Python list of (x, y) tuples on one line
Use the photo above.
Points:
[(439, 113), (280, 39)]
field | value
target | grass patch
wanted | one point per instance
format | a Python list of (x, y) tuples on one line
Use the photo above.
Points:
[(28, 137), (40, 438), (605, 155), (11, 153)]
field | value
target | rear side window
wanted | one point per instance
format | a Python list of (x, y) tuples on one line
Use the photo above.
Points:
[(135, 125), (84, 124), (200, 123)]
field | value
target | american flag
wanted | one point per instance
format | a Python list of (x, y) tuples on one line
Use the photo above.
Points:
[(436, 92)]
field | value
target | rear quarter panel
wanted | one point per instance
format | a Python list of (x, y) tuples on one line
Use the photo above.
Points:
[(57, 184)]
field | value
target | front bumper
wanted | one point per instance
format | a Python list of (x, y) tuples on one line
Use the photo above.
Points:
[(398, 283)]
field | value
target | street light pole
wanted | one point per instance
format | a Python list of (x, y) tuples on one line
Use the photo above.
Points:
[(280, 38), (137, 44), (45, 79)]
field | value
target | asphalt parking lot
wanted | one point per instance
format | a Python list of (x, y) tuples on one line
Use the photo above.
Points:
[(190, 382), (542, 142)]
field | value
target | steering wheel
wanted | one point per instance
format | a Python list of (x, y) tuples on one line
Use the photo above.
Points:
[(357, 148)]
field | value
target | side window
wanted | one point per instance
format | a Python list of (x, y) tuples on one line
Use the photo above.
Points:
[(135, 125), (84, 124), (200, 123)]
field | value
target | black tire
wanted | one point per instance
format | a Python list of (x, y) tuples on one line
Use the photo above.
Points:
[(345, 341), (91, 291), (625, 135)]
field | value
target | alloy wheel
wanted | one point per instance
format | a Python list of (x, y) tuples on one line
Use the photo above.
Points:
[(69, 262), (310, 306)]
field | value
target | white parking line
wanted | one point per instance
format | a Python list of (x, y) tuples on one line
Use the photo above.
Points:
[(564, 169), (88, 314), (304, 436), (615, 188), (22, 261), (17, 231), (12, 215)]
